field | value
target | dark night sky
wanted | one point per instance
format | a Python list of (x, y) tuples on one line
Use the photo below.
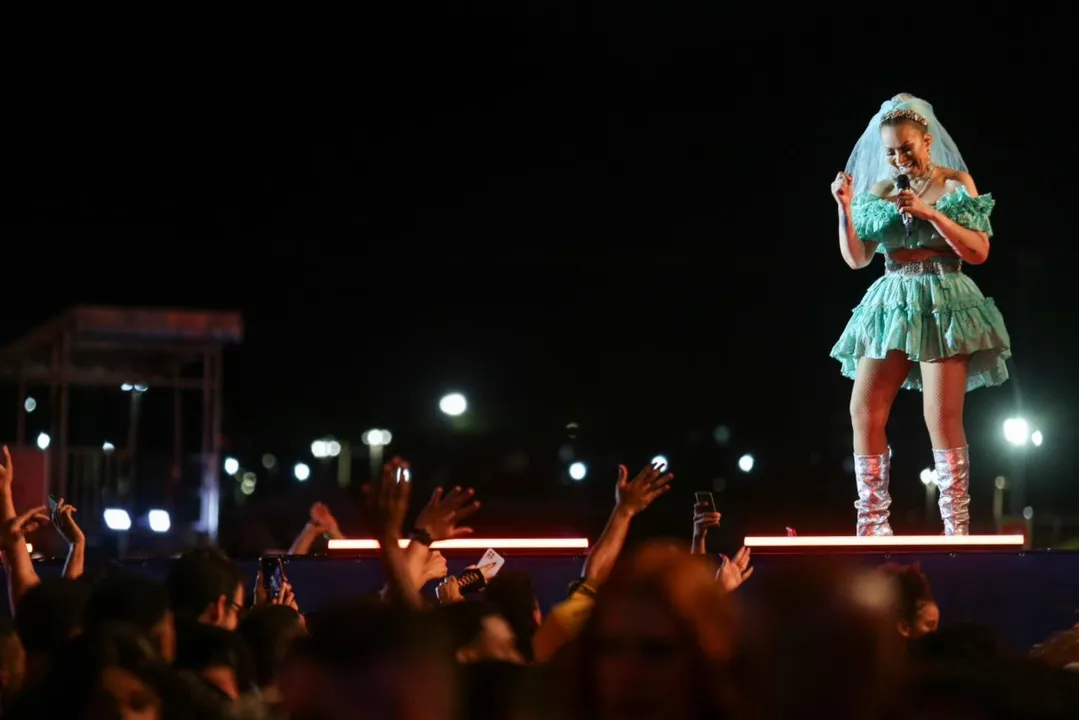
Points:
[(592, 216)]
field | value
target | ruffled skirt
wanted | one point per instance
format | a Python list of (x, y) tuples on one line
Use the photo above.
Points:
[(929, 317)]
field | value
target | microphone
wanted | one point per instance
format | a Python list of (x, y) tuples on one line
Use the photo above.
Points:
[(902, 182)]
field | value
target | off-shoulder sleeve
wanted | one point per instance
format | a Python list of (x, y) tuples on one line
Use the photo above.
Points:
[(970, 212), (871, 216)]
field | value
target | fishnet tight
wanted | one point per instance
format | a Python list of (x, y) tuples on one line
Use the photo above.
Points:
[(944, 386)]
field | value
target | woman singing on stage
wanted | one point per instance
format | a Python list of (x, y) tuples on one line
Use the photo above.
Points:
[(924, 325)]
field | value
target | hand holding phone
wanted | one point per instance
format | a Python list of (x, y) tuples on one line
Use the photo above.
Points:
[(470, 581), (273, 576), (705, 515), (490, 564)]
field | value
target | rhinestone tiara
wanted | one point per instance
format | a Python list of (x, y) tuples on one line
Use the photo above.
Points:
[(904, 114)]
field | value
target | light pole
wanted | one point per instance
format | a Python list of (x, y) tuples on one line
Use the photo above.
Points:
[(929, 479), (376, 439), (1017, 432), (1000, 484)]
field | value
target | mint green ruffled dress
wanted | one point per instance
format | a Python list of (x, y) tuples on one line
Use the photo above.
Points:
[(928, 316)]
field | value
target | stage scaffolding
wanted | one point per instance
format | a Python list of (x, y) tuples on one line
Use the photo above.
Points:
[(131, 349)]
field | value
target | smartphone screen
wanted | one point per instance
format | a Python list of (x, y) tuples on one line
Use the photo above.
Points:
[(273, 575), (706, 497), (53, 503)]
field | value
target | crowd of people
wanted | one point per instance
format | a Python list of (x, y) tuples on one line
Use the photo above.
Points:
[(658, 631)]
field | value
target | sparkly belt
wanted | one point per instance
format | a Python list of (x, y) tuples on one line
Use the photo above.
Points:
[(930, 266)]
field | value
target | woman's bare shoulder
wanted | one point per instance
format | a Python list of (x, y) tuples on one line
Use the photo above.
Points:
[(955, 179), (883, 189)]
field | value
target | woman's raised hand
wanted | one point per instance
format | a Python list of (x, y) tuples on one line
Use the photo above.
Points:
[(843, 189)]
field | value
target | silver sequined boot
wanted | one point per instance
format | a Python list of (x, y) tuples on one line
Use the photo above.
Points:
[(953, 481), (872, 473)]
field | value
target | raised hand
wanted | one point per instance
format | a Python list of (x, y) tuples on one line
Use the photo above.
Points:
[(323, 520), (63, 519), (7, 472), (434, 567), (387, 500), (734, 572), (439, 519), (17, 528), (449, 591), (704, 518), (633, 496), (286, 597), (843, 189)]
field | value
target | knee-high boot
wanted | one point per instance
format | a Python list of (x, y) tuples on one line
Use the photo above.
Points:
[(953, 482), (873, 473)]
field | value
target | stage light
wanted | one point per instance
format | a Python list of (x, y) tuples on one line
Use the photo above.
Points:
[(928, 476), (302, 472), (320, 449), (30, 404), (107, 447), (43, 441), (660, 462), (117, 519), (232, 466), (745, 463), (1016, 431), (159, 520), (475, 544), (578, 470), (1036, 438)]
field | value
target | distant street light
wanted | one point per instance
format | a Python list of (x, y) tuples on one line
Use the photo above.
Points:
[(117, 519), (453, 404), (325, 448), (159, 520)]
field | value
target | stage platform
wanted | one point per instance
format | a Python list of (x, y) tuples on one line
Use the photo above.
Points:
[(1025, 595), (827, 544)]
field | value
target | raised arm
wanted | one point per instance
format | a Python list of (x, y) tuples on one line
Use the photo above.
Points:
[(387, 503), (856, 253), (631, 498), (18, 566)]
